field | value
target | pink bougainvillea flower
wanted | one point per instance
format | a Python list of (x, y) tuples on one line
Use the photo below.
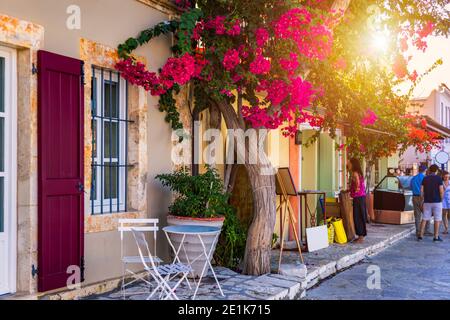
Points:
[(420, 44), (262, 36), (260, 65), (236, 78), (400, 67), (277, 91), (288, 23), (314, 41), (426, 30), (136, 74), (217, 24), (413, 76), (290, 65), (198, 30), (369, 119), (231, 59), (419, 41), (226, 92), (243, 51), (404, 44), (235, 29), (301, 93), (181, 69)]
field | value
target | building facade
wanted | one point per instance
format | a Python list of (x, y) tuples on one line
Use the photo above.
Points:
[(79, 147), (436, 107)]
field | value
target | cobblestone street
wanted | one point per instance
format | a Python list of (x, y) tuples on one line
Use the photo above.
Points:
[(409, 270)]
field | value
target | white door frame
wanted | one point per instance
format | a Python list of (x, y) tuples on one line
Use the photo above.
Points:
[(10, 190)]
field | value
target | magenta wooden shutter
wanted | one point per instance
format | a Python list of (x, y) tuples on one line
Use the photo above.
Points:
[(60, 169)]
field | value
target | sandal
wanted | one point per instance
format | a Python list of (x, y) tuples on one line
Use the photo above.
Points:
[(359, 240)]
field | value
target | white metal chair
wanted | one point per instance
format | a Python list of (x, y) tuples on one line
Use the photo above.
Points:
[(162, 274), (127, 226)]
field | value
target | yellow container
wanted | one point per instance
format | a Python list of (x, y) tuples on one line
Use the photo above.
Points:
[(330, 228), (339, 231), (330, 233)]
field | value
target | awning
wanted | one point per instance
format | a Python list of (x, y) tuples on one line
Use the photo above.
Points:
[(435, 126)]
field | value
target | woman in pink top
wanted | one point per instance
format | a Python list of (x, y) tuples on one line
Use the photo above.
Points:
[(358, 193)]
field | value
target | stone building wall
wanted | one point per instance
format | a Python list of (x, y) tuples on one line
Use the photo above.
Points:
[(150, 143)]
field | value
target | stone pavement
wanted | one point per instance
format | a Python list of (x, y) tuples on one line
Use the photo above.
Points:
[(234, 286), (409, 270), (320, 265), (324, 263)]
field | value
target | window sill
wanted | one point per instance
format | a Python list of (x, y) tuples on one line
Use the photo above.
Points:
[(108, 222)]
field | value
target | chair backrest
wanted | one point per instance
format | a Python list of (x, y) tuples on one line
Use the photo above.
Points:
[(142, 225), (142, 244)]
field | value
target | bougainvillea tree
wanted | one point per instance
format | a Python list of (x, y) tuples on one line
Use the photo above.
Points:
[(252, 61)]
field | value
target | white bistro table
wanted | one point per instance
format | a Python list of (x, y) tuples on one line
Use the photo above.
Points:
[(199, 232)]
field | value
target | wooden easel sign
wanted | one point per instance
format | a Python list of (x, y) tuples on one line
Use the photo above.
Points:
[(285, 187)]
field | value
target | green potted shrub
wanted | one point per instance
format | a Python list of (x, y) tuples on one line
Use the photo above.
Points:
[(199, 200)]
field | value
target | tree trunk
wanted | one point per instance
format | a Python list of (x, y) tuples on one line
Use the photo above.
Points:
[(259, 239), (260, 233)]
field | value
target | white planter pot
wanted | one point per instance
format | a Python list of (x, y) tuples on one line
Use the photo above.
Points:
[(192, 243)]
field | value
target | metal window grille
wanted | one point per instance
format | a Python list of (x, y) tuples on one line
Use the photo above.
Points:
[(109, 103)]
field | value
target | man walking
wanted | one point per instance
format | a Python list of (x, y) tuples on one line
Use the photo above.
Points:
[(433, 193), (416, 186)]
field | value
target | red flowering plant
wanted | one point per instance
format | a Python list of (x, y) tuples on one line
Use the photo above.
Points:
[(420, 136)]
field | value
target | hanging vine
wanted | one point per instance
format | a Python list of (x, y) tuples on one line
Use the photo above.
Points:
[(166, 88)]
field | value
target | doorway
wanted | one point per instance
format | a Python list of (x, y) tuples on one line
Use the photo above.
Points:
[(8, 169)]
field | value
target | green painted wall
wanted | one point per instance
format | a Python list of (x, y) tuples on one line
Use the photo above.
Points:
[(309, 174)]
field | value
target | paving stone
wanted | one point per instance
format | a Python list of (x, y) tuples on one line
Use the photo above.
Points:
[(327, 270), (293, 270), (266, 280)]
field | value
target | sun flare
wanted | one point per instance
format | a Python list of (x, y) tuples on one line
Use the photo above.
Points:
[(381, 40)]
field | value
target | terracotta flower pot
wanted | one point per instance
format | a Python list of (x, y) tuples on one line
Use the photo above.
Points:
[(192, 243)]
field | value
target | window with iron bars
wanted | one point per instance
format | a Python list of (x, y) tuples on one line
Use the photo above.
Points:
[(109, 103)]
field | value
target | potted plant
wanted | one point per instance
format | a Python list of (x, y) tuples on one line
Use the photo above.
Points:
[(200, 200)]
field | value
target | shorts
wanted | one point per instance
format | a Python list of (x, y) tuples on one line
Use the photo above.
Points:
[(432, 209)]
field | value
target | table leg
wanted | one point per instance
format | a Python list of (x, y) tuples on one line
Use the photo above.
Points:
[(177, 253), (207, 264)]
